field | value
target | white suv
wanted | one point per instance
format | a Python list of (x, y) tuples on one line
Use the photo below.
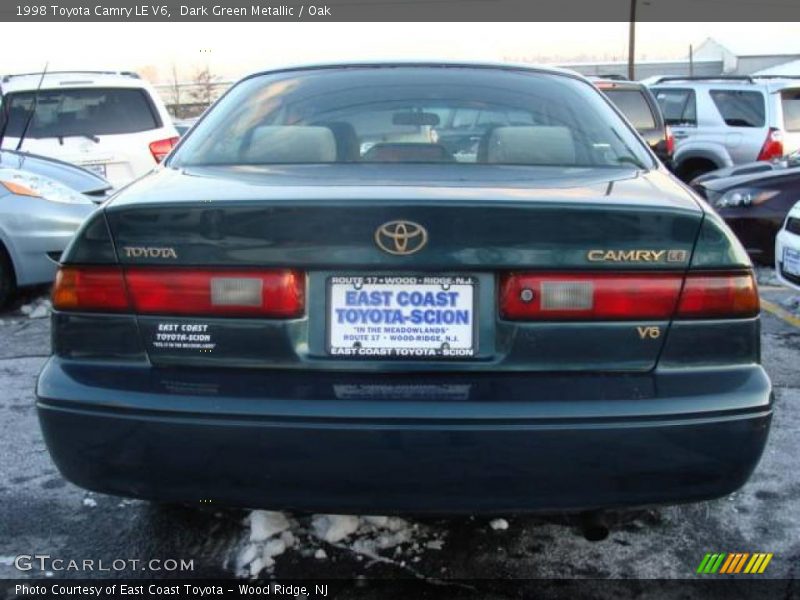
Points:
[(725, 121), (112, 123)]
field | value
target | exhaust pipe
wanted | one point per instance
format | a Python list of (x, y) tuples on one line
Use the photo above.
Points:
[(594, 525)]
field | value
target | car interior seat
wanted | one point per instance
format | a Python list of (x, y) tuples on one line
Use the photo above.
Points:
[(530, 145), (290, 144), (346, 139)]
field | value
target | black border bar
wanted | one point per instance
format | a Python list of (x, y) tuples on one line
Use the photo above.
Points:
[(727, 588), (401, 11)]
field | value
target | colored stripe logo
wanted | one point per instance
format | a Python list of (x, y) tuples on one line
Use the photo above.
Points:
[(734, 563)]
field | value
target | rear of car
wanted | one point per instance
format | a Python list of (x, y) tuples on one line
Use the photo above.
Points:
[(754, 205), (317, 305), (787, 250), (113, 124), (718, 123), (639, 106)]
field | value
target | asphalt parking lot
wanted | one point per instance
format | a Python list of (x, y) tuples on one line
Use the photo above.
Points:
[(40, 513)]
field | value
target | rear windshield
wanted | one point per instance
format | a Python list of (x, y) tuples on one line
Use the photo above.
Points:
[(413, 115), (790, 100), (739, 108), (634, 106), (82, 111)]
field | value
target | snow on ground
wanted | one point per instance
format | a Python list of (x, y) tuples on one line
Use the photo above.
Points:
[(766, 276), (374, 538), (334, 528), (264, 524), (792, 304), (38, 308)]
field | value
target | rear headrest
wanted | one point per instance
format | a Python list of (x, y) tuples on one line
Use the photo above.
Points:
[(291, 144), (531, 145)]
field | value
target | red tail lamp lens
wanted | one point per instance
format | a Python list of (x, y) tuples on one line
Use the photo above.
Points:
[(589, 296)]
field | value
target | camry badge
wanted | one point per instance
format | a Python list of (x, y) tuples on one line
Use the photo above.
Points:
[(401, 237)]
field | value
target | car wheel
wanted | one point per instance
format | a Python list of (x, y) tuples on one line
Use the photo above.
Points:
[(694, 167), (7, 283)]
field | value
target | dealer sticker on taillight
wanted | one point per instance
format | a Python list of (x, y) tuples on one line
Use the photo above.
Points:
[(402, 316)]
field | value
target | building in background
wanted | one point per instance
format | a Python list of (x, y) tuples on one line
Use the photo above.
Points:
[(713, 57)]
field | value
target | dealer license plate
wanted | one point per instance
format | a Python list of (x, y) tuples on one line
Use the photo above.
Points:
[(399, 316), (791, 261)]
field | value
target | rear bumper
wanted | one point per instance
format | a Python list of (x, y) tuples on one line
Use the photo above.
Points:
[(347, 443)]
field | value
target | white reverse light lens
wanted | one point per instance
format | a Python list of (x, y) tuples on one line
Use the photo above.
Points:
[(567, 295), (236, 291)]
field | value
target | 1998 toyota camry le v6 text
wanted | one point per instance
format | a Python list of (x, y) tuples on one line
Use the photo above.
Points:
[(407, 288)]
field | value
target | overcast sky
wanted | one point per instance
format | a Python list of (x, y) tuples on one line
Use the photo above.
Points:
[(232, 50)]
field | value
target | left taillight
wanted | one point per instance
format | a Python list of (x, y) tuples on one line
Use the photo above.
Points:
[(276, 293), (160, 148)]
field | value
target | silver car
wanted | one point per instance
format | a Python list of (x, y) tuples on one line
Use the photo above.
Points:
[(726, 121), (42, 203)]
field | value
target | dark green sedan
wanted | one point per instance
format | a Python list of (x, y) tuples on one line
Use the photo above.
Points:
[(407, 287)]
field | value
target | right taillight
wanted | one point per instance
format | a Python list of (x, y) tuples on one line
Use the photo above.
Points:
[(160, 148), (773, 145), (718, 295), (566, 296)]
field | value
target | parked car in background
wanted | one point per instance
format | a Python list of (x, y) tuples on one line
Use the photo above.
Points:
[(42, 203), (754, 205), (787, 249), (760, 166), (112, 123), (489, 330), (725, 121), (639, 106)]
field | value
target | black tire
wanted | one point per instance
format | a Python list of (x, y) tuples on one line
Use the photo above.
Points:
[(7, 280), (688, 176), (692, 168)]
